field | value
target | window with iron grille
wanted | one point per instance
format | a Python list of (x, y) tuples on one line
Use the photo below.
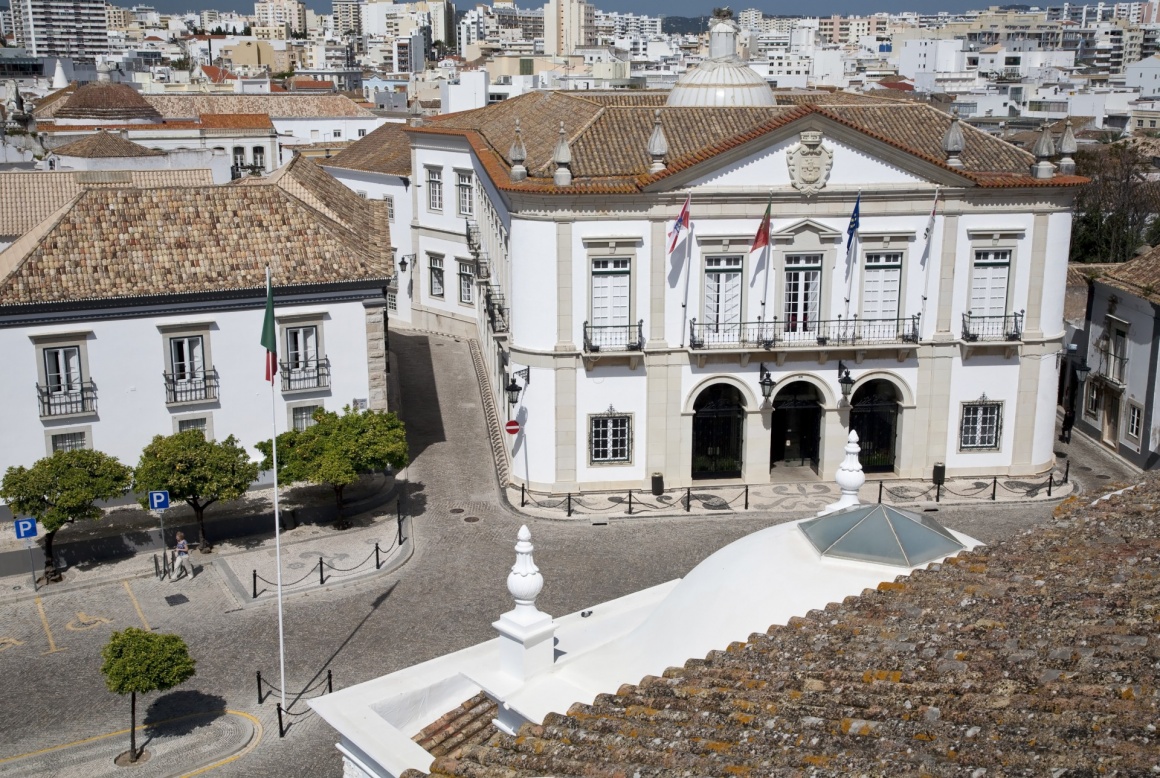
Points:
[(392, 300), (69, 441), (434, 189), (466, 205), (610, 438), (302, 416), (982, 425), (466, 282), (184, 425), (436, 268)]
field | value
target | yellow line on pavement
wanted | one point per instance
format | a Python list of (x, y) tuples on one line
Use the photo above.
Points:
[(137, 606), (258, 731), (52, 649)]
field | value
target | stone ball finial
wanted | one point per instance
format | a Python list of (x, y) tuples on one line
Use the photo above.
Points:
[(524, 582)]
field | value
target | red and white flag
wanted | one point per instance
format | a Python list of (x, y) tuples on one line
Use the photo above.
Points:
[(682, 223), (761, 239)]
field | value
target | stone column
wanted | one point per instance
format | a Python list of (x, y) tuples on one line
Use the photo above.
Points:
[(376, 325)]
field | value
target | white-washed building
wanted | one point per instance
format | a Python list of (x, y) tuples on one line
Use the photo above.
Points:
[(136, 312), (542, 226)]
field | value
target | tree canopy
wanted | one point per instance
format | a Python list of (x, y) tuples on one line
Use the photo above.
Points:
[(337, 449), (196, 470), (1113, 212)]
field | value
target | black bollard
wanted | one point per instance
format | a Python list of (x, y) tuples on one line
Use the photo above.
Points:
[(630, 502), (1050, 483), (281, 729), (1067, 472), (376, 555), (879, 492), (569, 504), (260, 687), (688, 498), (994, 487), (746, 496), (321, 576), (329, 683), (523, 495), (938, 492), (255, 584)]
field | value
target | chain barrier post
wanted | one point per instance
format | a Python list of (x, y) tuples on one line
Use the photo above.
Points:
[(994, 487), (255, 584), (688, 498), (376, 555), (400, 534), (156, 567), (281, 729), (321, 579), (938, 492), (746, 496), (259, 687), (1067, 472), (879, 492), (1050, 482), (523, 495), (329, 683), (569, 504), (630, 502)]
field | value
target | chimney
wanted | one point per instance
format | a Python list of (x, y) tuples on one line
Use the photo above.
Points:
[(526, 644)]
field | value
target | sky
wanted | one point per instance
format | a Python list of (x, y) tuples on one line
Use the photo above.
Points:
[(651, 7)]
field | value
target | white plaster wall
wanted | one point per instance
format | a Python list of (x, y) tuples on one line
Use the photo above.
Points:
[(618, 386), (635, 233), (533, 285), (301, 130), (1019, 275), (449, 154), (998, 378), (216, 161), (1055, 273), (126, 360), (533, 450), (1043, 437)]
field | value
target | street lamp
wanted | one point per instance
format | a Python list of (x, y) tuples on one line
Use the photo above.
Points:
[(766, 383), (845, 381), (1081, 371), (403, 262), (513, 389)]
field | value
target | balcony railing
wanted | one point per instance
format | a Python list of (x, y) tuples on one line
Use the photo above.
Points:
[(614, 337), (198, 386), (803, 333), (305, 375), (496, 309), (977, 328), (63, 401), (1114, 367)]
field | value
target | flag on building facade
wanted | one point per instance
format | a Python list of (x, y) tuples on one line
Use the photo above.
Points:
[(930, 222), (762, 237), (270, 332), (682, 223), (855, 221)]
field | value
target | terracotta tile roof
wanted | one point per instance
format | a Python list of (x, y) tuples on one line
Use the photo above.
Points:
[(467, 725), (127, 243), (46, 107), (105, 145), (386, 150), (235, 121), (827, 97), (279, 106), (1139, 276), (257, 121), (1079, 273), (217, 75), (1036, 656), (31, 197), (104, 101)]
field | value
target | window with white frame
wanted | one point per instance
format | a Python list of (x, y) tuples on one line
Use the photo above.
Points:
[(1135, 415), (881, 282), (239, 156), (610, 291), (1091, 406), (435, 263), (187, 358), (196, 423), (466, 282), (390, 201), (989, 282), (62, 370), (302, 347), (338, 133), (302, 416), (982, 424), (434, 189), (721, 311), (610, 438), (803, 286), (464, 184), (69, 441)]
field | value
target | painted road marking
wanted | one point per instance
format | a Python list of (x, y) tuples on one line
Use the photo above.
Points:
[(7, 643), (52, 649), (137, 606), (84, 621), (257, 738)]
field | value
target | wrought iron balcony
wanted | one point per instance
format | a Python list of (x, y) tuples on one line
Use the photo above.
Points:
[(241, 171), (803, 333), (62, 400), (614, 337), (1113, 367), (305, 375), (981, 328), (496, 309), (472, 235), (192, 387)]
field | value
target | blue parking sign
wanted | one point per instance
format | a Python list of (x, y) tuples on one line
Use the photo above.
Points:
[(25, 528), (158, 501)]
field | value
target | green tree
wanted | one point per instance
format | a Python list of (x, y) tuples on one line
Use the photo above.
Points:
[(139, 662), (336, 449), (196, 470), (1112, 213), (64, 488)]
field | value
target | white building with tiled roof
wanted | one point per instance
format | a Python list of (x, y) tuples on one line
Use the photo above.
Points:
[(542, 225), (133, 312)]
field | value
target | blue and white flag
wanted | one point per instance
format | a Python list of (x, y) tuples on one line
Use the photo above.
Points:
[(855, 221)]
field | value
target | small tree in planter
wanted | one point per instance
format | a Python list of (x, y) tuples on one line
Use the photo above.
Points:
[(64, 488), (139, 662), (196, 470)]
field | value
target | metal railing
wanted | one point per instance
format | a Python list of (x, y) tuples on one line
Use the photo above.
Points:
[(63, 401), (614, 337), (307, 374), (191, 387), (472, 234), (1008, 327), (1113, 367), (800, 333), (496, 309)]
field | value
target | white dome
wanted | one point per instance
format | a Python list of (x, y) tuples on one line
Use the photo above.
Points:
[(727, 83)]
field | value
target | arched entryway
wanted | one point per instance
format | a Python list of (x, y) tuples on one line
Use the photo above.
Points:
[(796, 426), (874, 412), (718, 424)]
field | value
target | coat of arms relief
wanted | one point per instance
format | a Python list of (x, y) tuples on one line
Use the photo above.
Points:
[(810, 163)]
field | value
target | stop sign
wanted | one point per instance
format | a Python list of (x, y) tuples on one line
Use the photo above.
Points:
[(512, 427)]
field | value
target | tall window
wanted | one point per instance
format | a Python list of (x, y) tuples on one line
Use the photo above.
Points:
[(187, 359), (434, 189), (722, 309), (62, 370), (610, 284), (1134, 412), (390, 201), (259, 156), (882, 277), (610, 439), (989, 282), (1092, 404), (239, 156), (436, 263), (302, 347), (466, 206), (803, 283), (466, 282), (302, 416), (69, 441), (982, 424)]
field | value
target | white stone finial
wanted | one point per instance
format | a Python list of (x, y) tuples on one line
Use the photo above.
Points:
[(58, 78), (526, 633), (850, 477), (518, 154), (563, 159), (658, 145), (954, 142), (524, 581)]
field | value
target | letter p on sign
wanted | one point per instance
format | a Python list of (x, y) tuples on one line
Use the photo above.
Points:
[(25, 528), (158, 501)]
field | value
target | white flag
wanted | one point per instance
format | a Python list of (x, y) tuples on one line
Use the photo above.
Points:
[(930, 222)]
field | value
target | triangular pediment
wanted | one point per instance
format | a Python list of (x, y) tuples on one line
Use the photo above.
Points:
[(791, 232)]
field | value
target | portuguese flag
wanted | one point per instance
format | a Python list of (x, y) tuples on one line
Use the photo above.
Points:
[(762, 237), (269, 333)]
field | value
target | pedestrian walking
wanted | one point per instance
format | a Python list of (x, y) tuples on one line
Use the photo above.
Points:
[(183, 561), (1068, 423)]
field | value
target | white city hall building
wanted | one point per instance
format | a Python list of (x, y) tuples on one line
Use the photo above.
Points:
[(542, 226)]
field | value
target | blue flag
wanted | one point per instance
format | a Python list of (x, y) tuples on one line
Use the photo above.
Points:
[(854, 222)]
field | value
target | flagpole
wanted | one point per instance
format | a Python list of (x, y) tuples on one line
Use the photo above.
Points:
[(277, 522), (688, 275)]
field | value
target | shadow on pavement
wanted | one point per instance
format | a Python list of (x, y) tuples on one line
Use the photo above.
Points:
[(420, 411), (182, 705)]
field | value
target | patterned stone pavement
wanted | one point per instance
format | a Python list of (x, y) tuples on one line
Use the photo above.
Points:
[(443, 599)]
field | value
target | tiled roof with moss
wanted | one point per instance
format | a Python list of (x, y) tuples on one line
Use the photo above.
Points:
[(1139, 276), (104, 101), (1037, 656)]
